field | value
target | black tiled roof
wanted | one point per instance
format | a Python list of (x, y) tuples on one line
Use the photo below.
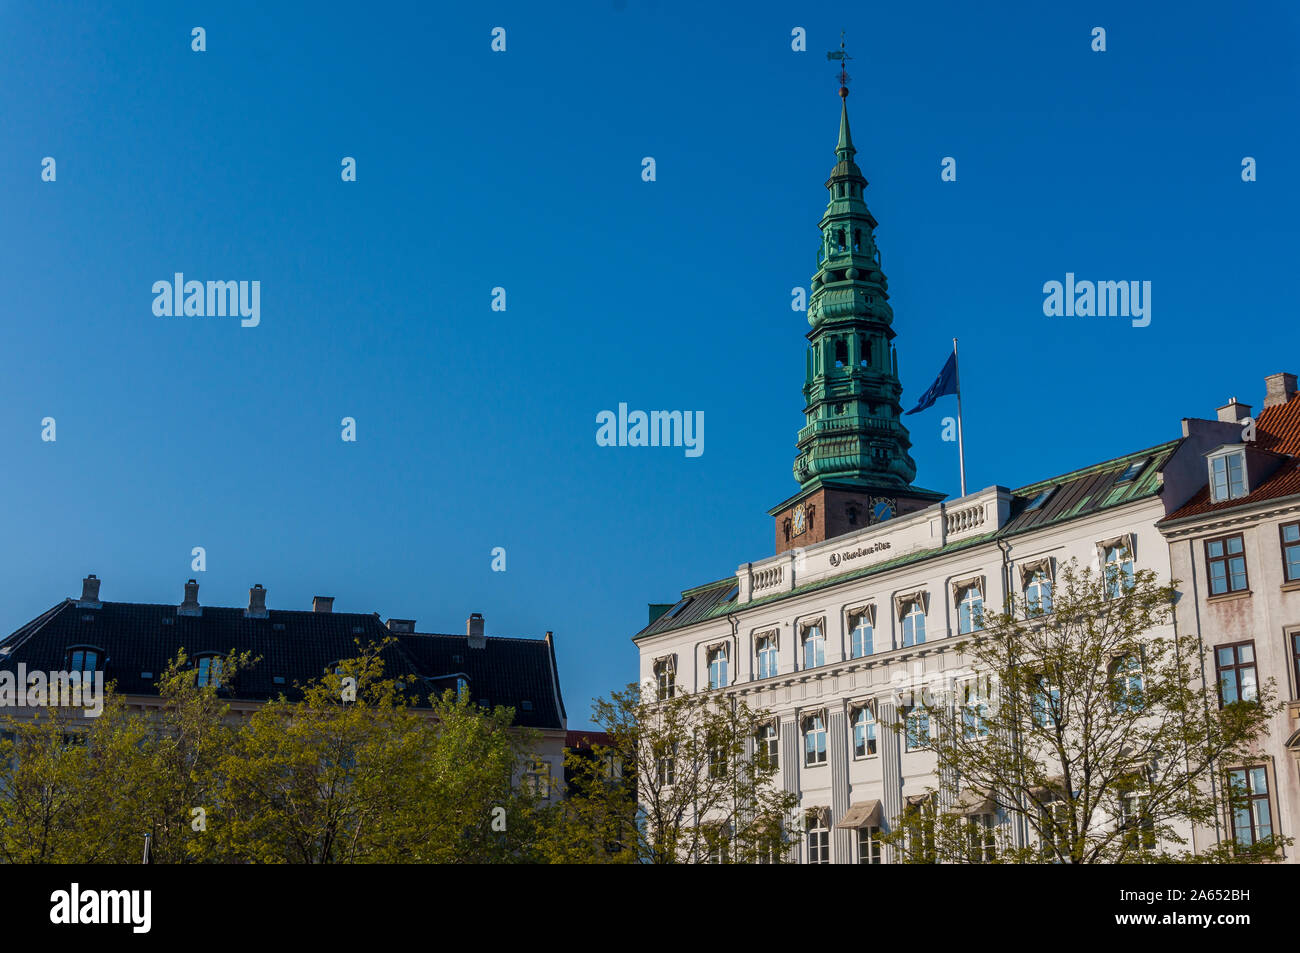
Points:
[(519, 673), (138, 639)]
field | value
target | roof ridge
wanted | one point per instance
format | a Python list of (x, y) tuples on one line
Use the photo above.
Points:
[(499, 638)]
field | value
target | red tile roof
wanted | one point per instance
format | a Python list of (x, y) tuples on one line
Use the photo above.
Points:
[(1277, 429)]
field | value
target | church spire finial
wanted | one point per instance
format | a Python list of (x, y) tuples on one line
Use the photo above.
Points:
[(844, 148)]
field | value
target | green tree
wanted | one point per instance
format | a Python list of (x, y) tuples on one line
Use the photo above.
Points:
[(1087, 718), (674, 785), (61, 798), (351, 773), (176, 784)]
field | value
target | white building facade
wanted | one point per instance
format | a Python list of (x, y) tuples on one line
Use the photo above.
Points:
[(823, 636)]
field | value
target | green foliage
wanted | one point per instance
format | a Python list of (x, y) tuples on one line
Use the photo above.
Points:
[(348, 772), (672, 786), (1089, 721)]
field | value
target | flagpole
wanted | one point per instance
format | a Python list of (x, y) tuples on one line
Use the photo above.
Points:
[(961, 449)]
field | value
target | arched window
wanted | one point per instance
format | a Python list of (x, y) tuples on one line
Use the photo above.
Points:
[(913, 623), (864, 733), (865, 346), (83, 658), (814, 647), (814, 739), (207, 670), (970, 610), (857, 239), (841, 352), (862, 636)]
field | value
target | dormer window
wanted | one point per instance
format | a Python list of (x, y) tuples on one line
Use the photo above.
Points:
[(208, 670), (83, 659), (1228, 476)]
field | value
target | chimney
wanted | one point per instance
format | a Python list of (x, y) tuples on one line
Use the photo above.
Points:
[(1233, 412), (401, 625), (256, 603), (191, 604), (89, 593), (474, 629), (1278, 389), (322, 603)]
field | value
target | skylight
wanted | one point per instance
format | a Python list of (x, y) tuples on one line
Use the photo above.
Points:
[(1133, 470), (676, 610), (732, 593), (1040, 499)]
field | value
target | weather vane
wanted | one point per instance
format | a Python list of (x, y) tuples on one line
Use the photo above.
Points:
[(843, 59)]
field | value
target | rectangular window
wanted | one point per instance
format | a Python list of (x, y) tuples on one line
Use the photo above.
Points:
[(1038, 592), (981, 834), (918, 729), (718, 668), (1227, 477), (914, 625), (1291, 551), (1047, 704), (768, 746), (767, 656), (869, 845), (814, 647), (819, 841), (863, 636), (974, 695), (1295, 661), (718, 761), (1252, 818), (666, 677), (864, 733), (1135, 821), (1056, 822), (970, 611), (814, 740), (1225, 559), (1118, 570), (664, 765), (1235, 665)]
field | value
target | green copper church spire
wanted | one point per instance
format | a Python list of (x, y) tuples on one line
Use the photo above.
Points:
[(853, 434), (844, 150), (852, 460)]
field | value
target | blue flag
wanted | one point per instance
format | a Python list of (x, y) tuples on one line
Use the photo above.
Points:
[(944, 384)]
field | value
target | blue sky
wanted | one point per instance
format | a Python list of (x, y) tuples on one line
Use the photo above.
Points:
[(521, 169)]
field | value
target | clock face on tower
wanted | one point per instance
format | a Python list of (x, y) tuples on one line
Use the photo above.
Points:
[(881, 509), (800, 519)]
